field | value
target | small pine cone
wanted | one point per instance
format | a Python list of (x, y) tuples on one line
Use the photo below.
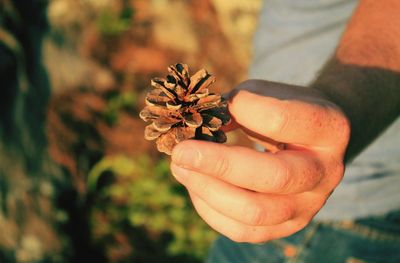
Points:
[(181, 107)]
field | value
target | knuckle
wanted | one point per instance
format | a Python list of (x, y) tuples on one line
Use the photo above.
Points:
[(337, 172), (310, 207), (342, 127), (318, 117), (286, 213), (221, 166), (345, 128), (340, 169), (254, 214), (314, 176), (277, 180), (314, 209), (281, 177)]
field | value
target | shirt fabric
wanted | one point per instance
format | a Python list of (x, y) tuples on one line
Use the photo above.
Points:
[(293, 41)]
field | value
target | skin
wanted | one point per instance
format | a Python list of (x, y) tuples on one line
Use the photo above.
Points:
[(252, 196)]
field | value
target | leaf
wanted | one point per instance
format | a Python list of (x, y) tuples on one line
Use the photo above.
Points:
[(120, 164)]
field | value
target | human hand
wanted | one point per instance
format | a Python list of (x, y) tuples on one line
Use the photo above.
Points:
[(252, 196)]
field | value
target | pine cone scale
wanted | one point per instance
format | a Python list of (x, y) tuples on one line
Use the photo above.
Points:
[(214, 98), (193, 120), (211, 122), (156, 97), (184, 133), (159, 83), (164, 123), (196, 78), (203, 83), (150, 133), (153, 112), (220, 113), (180, 107), (166, 142), (181, 73)]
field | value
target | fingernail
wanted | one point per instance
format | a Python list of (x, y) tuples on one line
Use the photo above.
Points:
[(178, 171), (187, 157)]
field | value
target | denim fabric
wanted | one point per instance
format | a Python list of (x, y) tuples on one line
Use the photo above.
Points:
[(375, 239)]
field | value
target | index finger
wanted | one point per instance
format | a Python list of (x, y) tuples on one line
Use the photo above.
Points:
[(284, 172), (289, 121)]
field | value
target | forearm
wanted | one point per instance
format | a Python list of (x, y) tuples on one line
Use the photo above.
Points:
[(363, 78)]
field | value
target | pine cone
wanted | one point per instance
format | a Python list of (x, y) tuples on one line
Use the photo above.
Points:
[(181, 107)]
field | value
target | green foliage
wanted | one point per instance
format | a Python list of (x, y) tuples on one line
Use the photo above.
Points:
[(118, 102), (110, 23), (144, 196), (120, 165)]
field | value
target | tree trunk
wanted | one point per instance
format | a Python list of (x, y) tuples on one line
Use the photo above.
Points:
[(29, 218)]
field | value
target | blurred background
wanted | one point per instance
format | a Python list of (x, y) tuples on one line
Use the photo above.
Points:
[(78, 183)]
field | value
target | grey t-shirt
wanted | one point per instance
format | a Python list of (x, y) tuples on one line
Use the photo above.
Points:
[(293, 41)]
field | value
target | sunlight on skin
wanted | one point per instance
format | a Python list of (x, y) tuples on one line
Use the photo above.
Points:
[(252, 196)]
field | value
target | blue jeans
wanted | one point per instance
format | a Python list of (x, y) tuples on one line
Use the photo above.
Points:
[(375, 239)]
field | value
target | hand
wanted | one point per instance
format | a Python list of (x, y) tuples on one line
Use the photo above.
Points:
[(252, 196)]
